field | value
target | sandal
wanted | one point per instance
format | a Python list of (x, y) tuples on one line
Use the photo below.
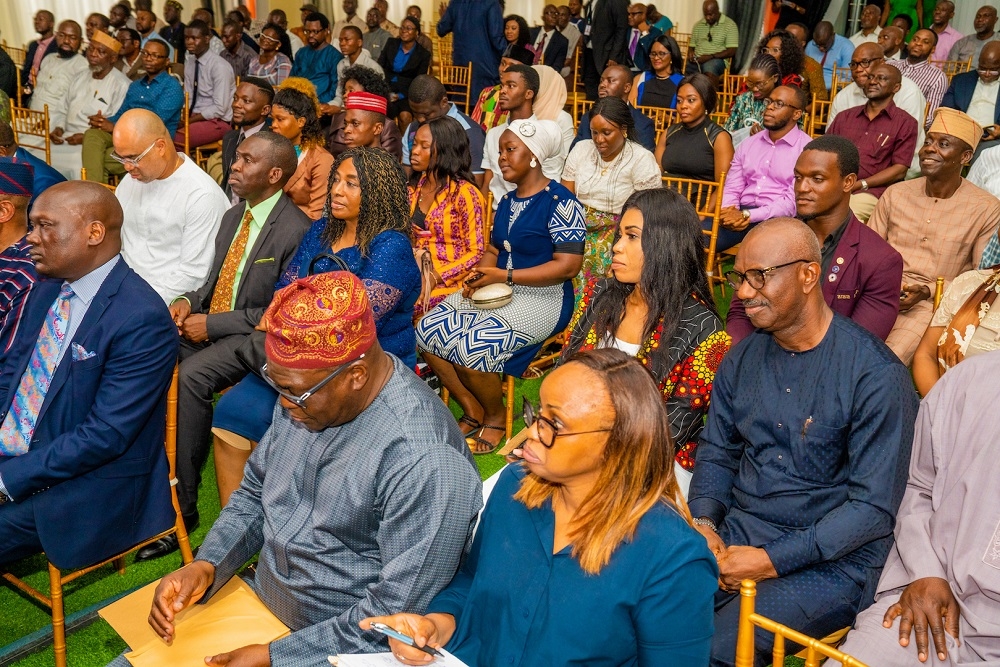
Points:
[(480, 446), (469, 421)]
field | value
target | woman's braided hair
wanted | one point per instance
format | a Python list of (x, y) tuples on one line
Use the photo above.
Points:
[(384, 201)]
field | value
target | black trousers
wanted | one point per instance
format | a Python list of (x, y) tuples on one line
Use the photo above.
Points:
[(205, 368)]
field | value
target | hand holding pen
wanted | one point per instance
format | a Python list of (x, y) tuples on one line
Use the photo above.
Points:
[(412, 636)]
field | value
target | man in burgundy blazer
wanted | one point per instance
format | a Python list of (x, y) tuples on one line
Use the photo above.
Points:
[(862, 273)]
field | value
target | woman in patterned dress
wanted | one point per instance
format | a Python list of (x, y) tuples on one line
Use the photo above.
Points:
[(661, 311), (602, 172), (536, 248)]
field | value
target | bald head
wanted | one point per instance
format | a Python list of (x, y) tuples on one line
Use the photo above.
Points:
[(890, 39), (141, 124), (142, 140), (81, 230), (790, 238)]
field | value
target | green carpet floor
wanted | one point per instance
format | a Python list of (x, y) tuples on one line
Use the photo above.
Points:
[(96, 644)]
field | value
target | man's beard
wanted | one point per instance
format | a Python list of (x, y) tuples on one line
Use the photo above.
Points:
[(66, 53)]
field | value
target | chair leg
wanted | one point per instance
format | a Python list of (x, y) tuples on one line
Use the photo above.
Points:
[(119, 564), (58, 616), (509, 400)]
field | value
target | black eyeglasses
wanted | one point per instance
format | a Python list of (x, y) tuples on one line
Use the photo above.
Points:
[(547, 429), (778, 104), (300, 401), (755, 277), (854, 64)]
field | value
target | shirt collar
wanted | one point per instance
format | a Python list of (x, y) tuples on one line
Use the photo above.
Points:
[(86, 288), (262, 211)]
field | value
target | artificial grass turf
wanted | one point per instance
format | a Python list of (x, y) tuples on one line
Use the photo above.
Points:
[(97, 644)]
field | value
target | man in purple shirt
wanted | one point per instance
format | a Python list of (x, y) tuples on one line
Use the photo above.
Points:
[(886, 137), (944, 12), (861, 273), (759, 182), (17, 271)]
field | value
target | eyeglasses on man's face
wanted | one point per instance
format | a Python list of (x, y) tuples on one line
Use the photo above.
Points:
[(546, 428), (300, 401), (778, 104), (130, 161), (866, 63), (756, 277)]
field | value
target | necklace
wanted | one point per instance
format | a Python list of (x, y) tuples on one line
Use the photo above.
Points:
[(613, 163)]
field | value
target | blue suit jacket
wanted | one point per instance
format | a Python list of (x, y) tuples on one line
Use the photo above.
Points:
[(554, 54), (959, 93), (96, 474), (45, 176)]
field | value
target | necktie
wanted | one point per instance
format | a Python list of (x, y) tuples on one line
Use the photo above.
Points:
[(222, 298), (633, 43), (19, 425), (540, 50), (194, 91)]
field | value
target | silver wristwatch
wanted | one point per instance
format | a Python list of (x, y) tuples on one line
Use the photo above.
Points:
[(705, 521)]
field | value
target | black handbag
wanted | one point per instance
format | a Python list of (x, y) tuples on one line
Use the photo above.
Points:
[(251, 351)]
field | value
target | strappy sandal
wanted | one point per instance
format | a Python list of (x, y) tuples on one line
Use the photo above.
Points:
[(469, 421), (485, 446)]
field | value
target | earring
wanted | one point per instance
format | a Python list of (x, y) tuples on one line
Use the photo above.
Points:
[(533, 163)]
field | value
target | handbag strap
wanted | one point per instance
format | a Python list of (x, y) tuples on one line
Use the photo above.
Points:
[(339, 261)]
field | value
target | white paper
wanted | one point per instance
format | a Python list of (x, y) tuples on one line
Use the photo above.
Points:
[(388, 660)]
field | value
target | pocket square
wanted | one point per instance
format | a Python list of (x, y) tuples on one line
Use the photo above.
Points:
[(80, 354), (265, 260)]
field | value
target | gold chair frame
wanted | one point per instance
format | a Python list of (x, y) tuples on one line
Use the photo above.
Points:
[(457, 81), (54, 600), (33, 124), (707, 199)]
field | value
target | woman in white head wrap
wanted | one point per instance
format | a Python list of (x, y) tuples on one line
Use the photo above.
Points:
[(536, 248), (550, 102)]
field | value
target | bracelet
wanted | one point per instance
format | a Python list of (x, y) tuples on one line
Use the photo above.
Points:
[(705, 521), (510, 277)]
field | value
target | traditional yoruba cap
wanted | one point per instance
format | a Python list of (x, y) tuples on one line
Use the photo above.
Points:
[(542, 137), (957, 124), (17, 177), (104, 39), (321, 321), (366, 102)]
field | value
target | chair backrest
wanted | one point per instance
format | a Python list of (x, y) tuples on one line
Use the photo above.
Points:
[(17, 54), (31, 128), (745, 637), (186, 123), (444, 50), (582, 107), (733, 83), (488, 223), (457, 82), (719, 117), (724, 102), (819, 118), (683, 40), (706, 196), (842, 75), (953, 67), (662, 118)]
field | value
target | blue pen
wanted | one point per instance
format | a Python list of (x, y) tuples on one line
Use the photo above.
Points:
[(399, 636)]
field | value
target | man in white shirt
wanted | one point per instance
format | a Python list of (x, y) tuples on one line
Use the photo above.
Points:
[(351, 18), (572, 35), (908, 98), (101, 92), (977, 93), (870, 17), (58, 70), (172, 208), (518, 88), (352, 46)]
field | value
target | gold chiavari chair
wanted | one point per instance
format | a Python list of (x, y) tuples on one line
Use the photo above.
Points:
[(706, 196), (458, 82), (31, 129)]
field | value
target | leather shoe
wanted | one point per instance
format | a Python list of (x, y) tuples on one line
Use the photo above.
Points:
[(160, 547)]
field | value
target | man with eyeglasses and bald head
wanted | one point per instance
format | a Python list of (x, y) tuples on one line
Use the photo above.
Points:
[(977, 93), (157, 91)]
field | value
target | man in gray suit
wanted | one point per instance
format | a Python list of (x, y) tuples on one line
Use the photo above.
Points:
[(256, 240), (361, 497)]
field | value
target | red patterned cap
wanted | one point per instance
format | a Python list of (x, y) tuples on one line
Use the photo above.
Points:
[(366, 102), (320, 321)]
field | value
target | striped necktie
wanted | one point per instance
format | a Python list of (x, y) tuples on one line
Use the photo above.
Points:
[(19, 425), (222, 298)]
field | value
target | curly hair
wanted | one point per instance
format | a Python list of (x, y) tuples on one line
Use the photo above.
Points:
[(385, 204), (370, 80), (792, 56), (300, 105)]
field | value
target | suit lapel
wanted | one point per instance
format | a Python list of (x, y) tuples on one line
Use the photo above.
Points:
[(843, 258), (94, 313), (272, 221)]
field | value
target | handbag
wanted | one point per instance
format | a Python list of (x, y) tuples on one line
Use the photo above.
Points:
[(251, 351), (492, 296)]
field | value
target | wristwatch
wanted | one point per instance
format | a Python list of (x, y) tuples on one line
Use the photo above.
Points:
[(510, 277), (864, 185), (746, 213), (705, 521)]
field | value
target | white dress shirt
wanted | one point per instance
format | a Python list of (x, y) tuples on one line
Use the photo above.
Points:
[(983, 106)]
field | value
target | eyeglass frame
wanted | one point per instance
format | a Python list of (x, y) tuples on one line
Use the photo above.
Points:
[(779, 104), (528, 413), (854, 64), (988, 72), (757, 85), (763, 274), (300, 401), (130, 161), (145, 53)]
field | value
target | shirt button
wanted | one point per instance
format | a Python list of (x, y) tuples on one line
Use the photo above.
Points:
[(788, 391), (779, 424), (779, 457)]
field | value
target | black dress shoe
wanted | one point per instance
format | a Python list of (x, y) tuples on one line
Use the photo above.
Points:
[(160, 547)]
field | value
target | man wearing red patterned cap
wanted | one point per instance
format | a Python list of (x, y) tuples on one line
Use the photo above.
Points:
[(364, 120), (360, 498), (17, 271)]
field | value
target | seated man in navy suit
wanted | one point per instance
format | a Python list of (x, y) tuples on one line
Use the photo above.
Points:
[(45, 175), (549, 44), (616, 81), (976, 93), (861, 272), (83, 473)]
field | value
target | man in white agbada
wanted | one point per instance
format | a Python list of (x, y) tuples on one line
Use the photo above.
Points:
[(940, 587), (59, 69), (103, 91)]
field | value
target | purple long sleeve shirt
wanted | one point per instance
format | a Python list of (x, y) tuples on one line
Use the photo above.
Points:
[(762, 175)]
